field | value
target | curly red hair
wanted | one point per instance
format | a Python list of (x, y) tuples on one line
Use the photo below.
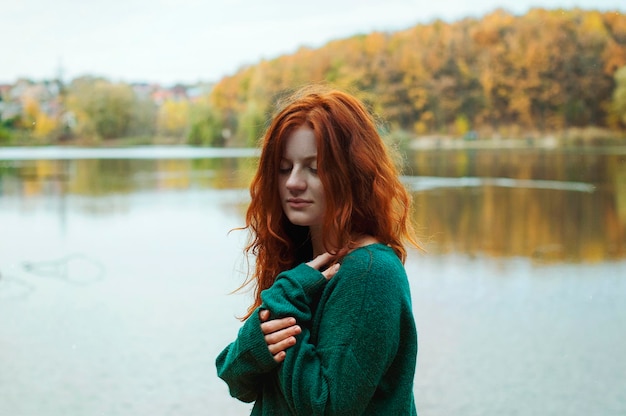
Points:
[(364, 195)]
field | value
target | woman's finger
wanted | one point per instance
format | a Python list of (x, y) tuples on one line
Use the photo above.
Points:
[(282, 345), (320, 261), (278, 336), (274, 325), (280, 357), (264, 315), (331, 271)]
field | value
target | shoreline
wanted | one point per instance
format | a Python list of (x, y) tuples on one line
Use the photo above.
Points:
[(443, 143)]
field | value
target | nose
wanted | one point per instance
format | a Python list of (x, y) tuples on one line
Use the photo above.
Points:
[(295, 181)]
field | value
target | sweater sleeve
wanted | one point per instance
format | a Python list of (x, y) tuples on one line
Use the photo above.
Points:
[(245, 361), (357, 336)]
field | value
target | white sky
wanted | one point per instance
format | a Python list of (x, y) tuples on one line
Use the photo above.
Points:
[(170, 41)]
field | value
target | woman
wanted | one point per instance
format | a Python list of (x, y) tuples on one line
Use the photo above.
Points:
[(331, 330)]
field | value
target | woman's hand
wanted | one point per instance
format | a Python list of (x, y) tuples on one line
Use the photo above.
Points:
[(320, 261), (280, 334)]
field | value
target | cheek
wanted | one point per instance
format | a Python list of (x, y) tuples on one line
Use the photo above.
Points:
[(281, 186), (319, 190)]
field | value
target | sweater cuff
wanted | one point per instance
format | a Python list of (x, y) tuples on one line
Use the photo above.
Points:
[(311, 280), (293, 293), (252, 337)]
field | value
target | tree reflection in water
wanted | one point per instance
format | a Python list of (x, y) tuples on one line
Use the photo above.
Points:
[(549, 205)]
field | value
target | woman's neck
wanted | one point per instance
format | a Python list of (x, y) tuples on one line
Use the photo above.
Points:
[(317, 241)]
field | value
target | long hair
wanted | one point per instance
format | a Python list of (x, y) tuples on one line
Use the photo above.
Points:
[(364, 195)]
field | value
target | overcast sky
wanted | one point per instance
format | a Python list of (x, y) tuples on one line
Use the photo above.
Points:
[(170, 41)]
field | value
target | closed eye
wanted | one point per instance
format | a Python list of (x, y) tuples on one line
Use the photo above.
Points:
[(284, 167)]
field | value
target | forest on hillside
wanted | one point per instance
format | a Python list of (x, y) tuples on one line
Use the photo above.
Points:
[(502, 75), (546, 73)]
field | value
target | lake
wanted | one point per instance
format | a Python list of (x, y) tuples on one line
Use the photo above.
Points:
[(116, 268)]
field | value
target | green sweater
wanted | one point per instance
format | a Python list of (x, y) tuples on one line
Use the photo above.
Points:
[(357, 351)]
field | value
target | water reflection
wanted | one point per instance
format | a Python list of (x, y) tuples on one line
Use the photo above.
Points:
[(101, 177), (546, 205)]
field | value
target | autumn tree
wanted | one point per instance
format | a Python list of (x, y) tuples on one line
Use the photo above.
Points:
[(36, 121), (173, 118), (102, 109), (619, 95), (541, 72)]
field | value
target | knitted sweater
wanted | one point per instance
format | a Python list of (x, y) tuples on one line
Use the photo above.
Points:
[(356, 354)]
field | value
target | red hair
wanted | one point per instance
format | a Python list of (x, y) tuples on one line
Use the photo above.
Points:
[(364, 195)]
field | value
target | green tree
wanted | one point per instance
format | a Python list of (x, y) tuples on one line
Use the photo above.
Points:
[(207, 128), (251, 124), (102, 109), (143, 117)]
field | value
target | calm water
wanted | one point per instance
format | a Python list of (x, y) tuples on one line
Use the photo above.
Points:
[(115, 269)]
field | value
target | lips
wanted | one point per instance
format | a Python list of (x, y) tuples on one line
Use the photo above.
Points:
[(298, 202)]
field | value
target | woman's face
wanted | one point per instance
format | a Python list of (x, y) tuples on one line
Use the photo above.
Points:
[(301, 190)]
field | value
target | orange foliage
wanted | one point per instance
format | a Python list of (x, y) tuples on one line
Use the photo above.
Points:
[(543, 71)]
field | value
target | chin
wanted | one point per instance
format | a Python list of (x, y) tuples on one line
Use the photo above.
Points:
[(301, 220)]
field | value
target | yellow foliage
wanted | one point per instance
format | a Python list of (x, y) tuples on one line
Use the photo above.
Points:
[(420, 127), (544, 70), (30, 110), (593, 24), (44, 125), (461, 125), (374, 43), (173, 117)]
